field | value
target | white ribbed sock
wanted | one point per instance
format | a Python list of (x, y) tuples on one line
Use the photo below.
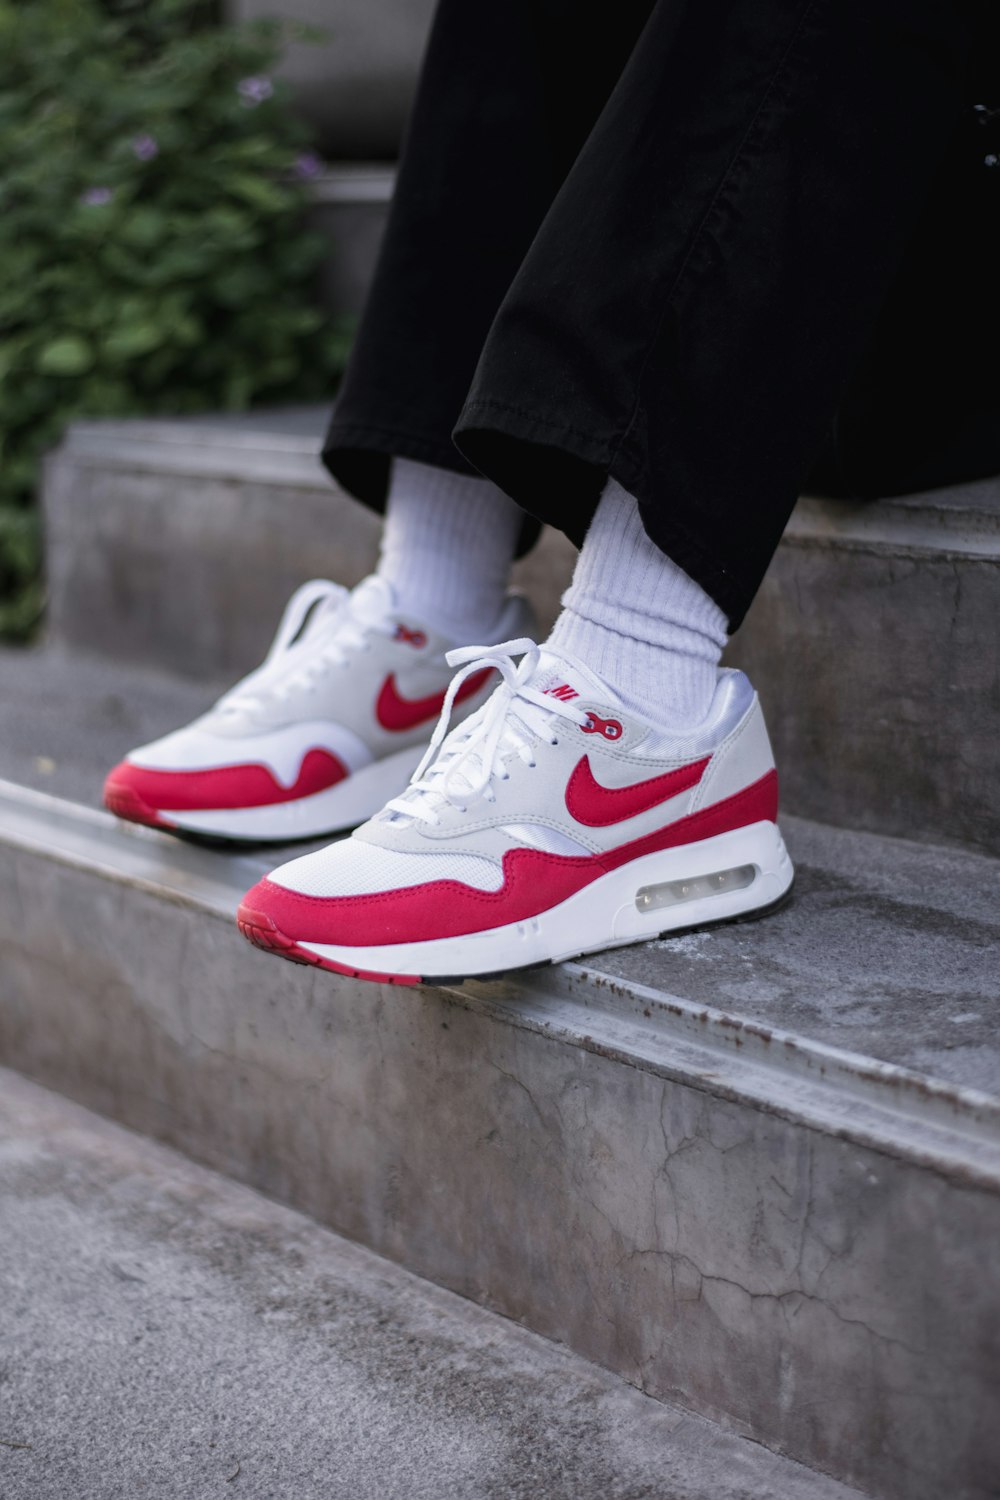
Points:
[(447, 548), (639, 621)]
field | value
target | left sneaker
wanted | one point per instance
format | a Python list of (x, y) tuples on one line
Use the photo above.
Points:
[(550, 824), (314, 741)]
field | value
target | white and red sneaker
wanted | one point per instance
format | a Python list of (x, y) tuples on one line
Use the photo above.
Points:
[(317, 738), (550, 824)]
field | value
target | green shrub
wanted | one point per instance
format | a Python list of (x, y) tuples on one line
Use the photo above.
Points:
[(153, 254)]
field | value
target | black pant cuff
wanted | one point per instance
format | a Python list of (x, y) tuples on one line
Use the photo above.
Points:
[(358, 457)]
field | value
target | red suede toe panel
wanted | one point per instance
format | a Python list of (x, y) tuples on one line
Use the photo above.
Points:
[(532, 882), (223, 786)]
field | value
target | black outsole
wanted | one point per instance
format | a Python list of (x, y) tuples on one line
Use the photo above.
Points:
[(224, 845)]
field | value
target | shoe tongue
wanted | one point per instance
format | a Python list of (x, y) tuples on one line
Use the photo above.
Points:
[(566, 678)]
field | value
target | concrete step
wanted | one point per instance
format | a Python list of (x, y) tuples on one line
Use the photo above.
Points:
[(874, 644), (350, 205), (176, 544), (755, 1171), (167, 1331)]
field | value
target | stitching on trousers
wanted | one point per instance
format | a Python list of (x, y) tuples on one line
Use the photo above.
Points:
[(487, 403), (342, 434)]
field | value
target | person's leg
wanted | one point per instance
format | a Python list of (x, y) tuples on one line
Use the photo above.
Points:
[(508, 93), (665, 324), (682, 322), (697, 296), (507, 96)]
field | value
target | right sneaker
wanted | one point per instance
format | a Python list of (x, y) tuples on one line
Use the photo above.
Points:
[(553, 823), (320, 736)]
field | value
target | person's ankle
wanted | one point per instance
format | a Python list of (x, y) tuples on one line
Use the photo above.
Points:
[(447, 547), (639, 621), (669, 688)]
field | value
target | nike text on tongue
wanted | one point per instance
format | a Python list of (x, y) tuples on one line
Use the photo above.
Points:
[(559, 675)]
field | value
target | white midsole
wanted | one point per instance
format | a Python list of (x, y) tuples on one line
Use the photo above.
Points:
[(602, 915), (353, 800)]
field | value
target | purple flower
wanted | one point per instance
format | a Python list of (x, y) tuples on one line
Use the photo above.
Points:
[(145, 147), (254, 91), (307, 166), (96, 197)]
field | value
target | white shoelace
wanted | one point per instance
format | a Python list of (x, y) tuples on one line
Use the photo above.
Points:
[(513, 719), (319, 629)]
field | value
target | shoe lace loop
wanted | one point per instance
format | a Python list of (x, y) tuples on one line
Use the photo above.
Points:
[(460, 769)]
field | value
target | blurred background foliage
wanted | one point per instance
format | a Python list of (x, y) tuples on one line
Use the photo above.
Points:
[(154, 252)]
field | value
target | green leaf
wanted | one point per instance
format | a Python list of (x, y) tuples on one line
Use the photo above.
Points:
[(193, 287), (259, 192), (66, 356), (133, 339), (144, 228)]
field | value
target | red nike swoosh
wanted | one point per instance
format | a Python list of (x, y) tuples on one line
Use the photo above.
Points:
[(396, 713), (597, 806)]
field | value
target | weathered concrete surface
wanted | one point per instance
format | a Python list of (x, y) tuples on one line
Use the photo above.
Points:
[(177, 543), (889, 949), (167, 1331), (828, 1290), (873, 643), (168, 545), (67, 718), (350, 205)]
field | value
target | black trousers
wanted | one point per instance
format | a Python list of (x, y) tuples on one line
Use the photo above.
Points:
[(696, 245)]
